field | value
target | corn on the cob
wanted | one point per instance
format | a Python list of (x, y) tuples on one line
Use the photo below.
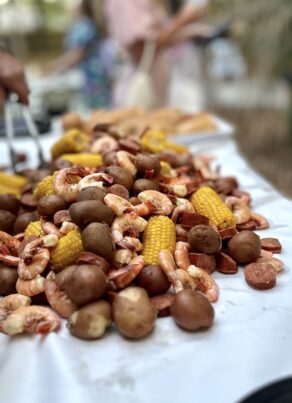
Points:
[(12, 181), (67, 250), (44, 188), (35, 229), (84, 159), (159, 235), (6, 189), (73, 141), (207, 202), (165, 168), (153, 140)]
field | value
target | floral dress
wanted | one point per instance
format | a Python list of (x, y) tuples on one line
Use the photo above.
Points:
[(83, 34)]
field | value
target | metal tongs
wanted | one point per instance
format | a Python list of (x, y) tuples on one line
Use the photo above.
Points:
[(32, 130)]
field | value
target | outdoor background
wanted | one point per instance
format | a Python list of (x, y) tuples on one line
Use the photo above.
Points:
[(255, 94)]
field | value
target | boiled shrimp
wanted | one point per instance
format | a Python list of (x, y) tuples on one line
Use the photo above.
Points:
[(50, 228), (181, 255), (153, 202), (9, 260), (97, 179), (61, 216), (204, 283), (126, 161), (122, 277), (202, 165), (123, 257), (117, 204), (104, 145), (131, 223), (10, 242), (31, 287), (57, 298), (31, 319), (240, 209), (33, 260), (12, 302), (261, 222), (182, 205), (65, 183), (180, 186), (181, 232), (67, 227)]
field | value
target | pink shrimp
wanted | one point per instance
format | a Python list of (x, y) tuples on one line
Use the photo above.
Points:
[(153, 202), (132, 223), (33, 260), (181, 255), (182, 205), (204, 283), (96, 179), (31, 319), (261, 222), (240, 209), (122, 257), (104, 145), (10, 242), (126, 160), (57, 298), (31, 287), (117, 204), (65, 183), (12, 302), (122, 277)]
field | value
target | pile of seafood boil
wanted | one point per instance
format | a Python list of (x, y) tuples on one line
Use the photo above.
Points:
[(122, 231)]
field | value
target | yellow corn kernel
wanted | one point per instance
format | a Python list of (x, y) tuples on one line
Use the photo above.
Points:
[(84, 159), (159, 235), (8, 190), (34, 229), (153, 141), (67, 250), (165, 168), (12, 181), (207, 202), (73, 141), (44, 188)]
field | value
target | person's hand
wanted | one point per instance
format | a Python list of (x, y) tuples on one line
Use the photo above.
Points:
[(12, 78)]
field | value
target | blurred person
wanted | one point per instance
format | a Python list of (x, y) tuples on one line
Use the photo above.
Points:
[(84, 49), (12, 78), (134, 22)]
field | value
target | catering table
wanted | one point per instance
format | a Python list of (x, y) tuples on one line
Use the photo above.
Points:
[(248, 346)]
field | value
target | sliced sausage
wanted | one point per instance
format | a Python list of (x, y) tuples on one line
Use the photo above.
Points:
[(260, 276)]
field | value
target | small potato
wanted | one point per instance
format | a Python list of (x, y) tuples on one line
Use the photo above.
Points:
[(91, 321), (191, 310), (119, 190), (146, 163), (97, 238), (133, 313), (88, 211), (91, 193), (59, 164), (86, 283), (6, 221), (8, 278), (153, 280), (145, 184), (49, 205), (121, 176), (71, 120), (204, 239), (22, 221), (9, 202), (110, 158), (64, 276), (245, 247)]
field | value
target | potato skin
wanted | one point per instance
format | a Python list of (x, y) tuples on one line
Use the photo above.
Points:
[(8, 278), (88, 211), (153, 280), (204, 239), (9, 202), (245, 247), (96, 238), (6, 221), (91, 321), (85, 284), (91, 193), (49, 205), (121, 176), (22, 221), (191, 310), (147, 163), (145, 184), (133, 313)]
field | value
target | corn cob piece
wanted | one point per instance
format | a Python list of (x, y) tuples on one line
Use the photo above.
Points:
[(207, 202), (153, 141), (67, 250), (84, 159), (165, 168), (73, 141), (159, 235), (7, 190), (44, 188), (35, 229), (12, 181)]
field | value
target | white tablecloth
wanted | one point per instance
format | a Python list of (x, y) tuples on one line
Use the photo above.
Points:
[(248, 346)]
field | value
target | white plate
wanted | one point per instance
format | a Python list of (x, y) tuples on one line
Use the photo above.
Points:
[(224, 129)]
